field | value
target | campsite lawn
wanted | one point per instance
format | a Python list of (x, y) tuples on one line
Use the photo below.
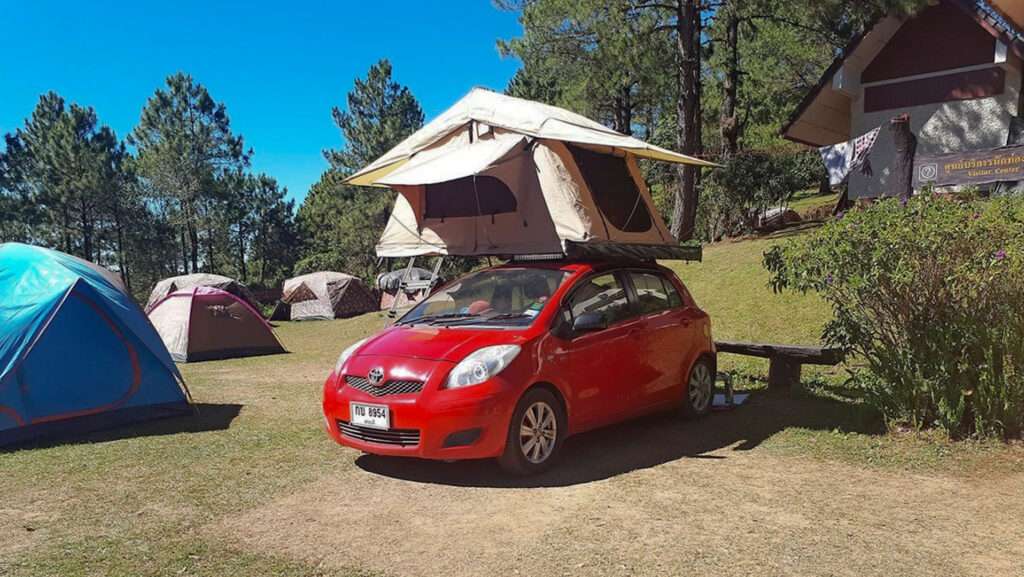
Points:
[(792, 484)]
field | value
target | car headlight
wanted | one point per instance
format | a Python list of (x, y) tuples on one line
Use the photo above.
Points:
[(345, 354), (481, 365)]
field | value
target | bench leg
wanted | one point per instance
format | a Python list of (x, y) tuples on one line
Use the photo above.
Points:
[(783, 374)]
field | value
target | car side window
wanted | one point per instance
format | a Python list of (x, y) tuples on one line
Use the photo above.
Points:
[(654, 293), (602, 294)]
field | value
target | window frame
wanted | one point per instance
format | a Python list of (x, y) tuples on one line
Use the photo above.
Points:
[(565, 304), (667, 285)]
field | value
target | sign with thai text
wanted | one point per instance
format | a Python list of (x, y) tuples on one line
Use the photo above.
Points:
[(966, 168)]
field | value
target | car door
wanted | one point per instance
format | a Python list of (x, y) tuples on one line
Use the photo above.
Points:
[(601, 363), (666, 337)]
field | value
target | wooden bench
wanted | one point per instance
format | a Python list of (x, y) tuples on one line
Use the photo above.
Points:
[(784, 360)]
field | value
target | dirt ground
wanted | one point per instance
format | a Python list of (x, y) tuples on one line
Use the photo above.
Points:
[(653, 497), (802, 484)]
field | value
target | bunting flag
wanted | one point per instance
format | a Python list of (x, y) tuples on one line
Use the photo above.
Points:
[(843, 158)]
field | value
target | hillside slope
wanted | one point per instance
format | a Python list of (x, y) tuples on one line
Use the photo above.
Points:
[(732, 286)]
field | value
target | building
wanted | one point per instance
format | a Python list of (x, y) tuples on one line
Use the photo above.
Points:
[(955, 68)]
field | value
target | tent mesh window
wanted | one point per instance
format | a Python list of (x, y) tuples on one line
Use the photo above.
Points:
[(614, 190), (460, 198)]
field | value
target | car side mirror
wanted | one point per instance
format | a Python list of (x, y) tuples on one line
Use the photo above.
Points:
[(587, 322)]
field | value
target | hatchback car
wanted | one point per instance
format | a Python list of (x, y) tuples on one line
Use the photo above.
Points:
[(509, 361)]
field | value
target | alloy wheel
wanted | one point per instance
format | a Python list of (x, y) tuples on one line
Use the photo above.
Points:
[(700, 389), (538, 432)]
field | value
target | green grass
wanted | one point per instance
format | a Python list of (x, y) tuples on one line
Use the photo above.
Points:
[(808, 201), (732, 286), (153, 499)]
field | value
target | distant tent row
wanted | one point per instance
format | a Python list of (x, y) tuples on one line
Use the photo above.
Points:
[(77, 353)]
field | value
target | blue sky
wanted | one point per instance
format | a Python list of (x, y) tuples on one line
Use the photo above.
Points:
[(278, 66)]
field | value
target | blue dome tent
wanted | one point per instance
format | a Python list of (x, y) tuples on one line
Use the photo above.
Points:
[(76, 352)]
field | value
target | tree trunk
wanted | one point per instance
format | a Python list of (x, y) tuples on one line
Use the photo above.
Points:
[(122, 260), (684, 213), (211, 266), (730, 125), (86, 231), (66, 228), (241, 253), (903, 168), (624, 111), (184, 252), (193, 241)]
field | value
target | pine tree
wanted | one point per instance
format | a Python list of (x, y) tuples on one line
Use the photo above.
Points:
[(185, 146), (340, 224)]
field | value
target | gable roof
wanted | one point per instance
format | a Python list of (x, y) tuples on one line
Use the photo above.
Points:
[(820, 119)]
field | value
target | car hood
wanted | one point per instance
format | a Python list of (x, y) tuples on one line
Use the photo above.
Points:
[(434, 343)]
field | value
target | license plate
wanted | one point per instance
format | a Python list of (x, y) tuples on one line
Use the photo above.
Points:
[(373, 416)]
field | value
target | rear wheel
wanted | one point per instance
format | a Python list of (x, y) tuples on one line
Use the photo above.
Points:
[(700, 390), (535, 434)]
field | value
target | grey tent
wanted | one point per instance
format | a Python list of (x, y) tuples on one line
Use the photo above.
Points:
[(327, 295), (188, 281)]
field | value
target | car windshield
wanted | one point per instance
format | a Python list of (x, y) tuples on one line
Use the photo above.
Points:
[(498, 297)]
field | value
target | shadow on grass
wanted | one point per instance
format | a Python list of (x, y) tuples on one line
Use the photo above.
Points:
[(205, 417), (647, 442)]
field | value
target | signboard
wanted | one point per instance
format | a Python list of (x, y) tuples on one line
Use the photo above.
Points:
[(966, 168)]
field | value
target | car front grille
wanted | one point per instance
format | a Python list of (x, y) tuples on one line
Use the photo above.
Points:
[(396, 437), (385, 389)]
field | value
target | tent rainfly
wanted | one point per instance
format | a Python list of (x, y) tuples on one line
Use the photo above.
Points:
[(76, 352), (327, 295), (497, 175), (188, 281), (204, 323)]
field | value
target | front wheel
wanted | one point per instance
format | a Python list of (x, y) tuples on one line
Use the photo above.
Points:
[(700, 389), (535, 434)]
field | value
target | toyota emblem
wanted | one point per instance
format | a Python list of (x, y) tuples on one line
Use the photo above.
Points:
[(376, 376)]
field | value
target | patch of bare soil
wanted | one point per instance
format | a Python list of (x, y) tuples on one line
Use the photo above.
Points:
[(646, 500), (22, 529)]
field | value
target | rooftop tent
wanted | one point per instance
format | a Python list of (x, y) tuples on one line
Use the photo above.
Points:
[(187, 281), (497, 175), (204, 323), (76, 352), (327, 295)]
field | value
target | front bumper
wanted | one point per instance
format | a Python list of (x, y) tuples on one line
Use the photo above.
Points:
[(434, 423)]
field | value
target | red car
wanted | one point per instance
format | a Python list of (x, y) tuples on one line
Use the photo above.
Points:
[(509, 361)]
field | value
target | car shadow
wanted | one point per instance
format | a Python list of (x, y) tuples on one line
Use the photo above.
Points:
[(646, 442), (204, 417)]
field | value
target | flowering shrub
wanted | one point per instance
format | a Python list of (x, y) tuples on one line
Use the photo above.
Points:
[(929, 294)]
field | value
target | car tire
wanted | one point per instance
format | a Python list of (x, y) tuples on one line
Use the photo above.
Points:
[(535, 434), (700, 390)]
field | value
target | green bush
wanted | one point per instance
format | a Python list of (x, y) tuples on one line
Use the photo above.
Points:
[(929, 297), (734, 196)]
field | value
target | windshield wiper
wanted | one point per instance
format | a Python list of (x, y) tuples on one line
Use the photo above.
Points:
[(431, 319), (477, 319)]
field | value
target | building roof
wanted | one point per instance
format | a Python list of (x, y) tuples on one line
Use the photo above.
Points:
[(823, 116)]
